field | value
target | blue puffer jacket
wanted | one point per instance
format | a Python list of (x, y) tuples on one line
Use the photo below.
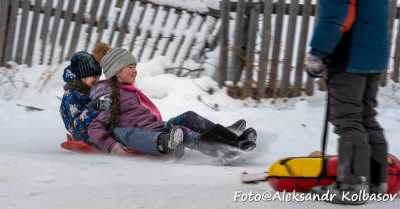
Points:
[(74, 110), (353, 34)]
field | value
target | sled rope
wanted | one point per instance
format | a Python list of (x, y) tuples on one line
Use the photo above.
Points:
[(324, 139), (252, 180)]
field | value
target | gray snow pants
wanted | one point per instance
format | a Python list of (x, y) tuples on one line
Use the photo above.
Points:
[(146, 142), (362, 145), (138, 139)]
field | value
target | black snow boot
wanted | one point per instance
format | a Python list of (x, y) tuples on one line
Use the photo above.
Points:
[(223, 135), (238, 127), (248, 139), (380, 188), (345, 193), (249, 134), (216, 150)]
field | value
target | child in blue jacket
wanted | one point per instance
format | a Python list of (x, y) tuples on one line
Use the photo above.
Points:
[(77, 109)]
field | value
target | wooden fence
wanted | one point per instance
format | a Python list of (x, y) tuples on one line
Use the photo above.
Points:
[(49, 31), (262, 45), (264, 56)]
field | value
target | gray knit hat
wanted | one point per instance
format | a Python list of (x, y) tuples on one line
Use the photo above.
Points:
[(115, 60)]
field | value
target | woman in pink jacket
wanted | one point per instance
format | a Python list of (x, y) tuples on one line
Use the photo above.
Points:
[(134, 122)]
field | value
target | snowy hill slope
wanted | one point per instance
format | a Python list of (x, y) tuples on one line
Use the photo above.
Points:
[(36, 174)]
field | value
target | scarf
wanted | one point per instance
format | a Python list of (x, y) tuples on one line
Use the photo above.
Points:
[(77, 86), (143, 99)]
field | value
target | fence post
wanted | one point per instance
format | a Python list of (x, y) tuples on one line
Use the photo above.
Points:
[(391, 19), (103, 20), (22, 31), (290, 37), (32, 35), (171, 22), (114, 25), (224, 42), (77, 29), (11, 31), (92, 20), (265, 44), (124, 24), (302, 47), (237, 52), (136, 30), (250, 50), (193, 39), (310, 80), (45, 28), (159, 34), (396, 62), (4, 9), (276, 47), (146, 34), (54, 31), (66, 29)]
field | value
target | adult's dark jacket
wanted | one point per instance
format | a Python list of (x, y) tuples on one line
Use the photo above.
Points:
[(353, 35)]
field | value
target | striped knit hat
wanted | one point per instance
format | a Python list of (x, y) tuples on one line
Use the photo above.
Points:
[(84, 65), (115, 60)]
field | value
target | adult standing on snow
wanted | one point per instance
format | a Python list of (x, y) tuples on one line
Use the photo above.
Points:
[(350, 46)]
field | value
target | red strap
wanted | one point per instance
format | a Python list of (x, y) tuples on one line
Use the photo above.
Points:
[(351, 16)]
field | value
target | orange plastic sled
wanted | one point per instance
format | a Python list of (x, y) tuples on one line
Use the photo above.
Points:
[(79, 146)]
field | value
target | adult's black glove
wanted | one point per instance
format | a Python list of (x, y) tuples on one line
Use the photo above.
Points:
[(315, 67)]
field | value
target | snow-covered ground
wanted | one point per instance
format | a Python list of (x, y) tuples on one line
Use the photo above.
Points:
[(35, 173)]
